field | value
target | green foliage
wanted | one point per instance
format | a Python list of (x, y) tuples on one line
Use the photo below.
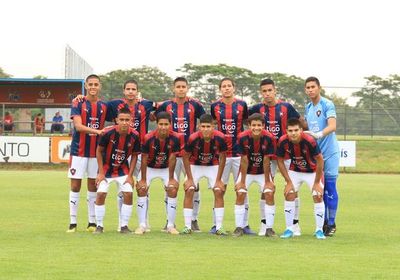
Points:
[(40, 77), (153, 83), (380, 103), (34, 244)]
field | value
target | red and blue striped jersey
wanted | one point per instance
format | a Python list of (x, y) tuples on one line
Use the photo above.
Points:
[(205, 153), (302, 155), (158, 150), (230, 119), (93, 115), (117, 149), (184, 116), (276, 117), (139, 112), (256, 149)]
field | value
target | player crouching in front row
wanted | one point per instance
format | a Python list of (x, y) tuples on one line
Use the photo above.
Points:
[(306, 166), (115, 146), (158, 161), (205, 156), (255, 145)]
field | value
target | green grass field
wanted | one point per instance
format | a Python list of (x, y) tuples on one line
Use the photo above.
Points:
[(34, 245)]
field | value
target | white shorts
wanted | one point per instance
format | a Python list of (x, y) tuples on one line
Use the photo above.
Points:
[(79, 166), (232, 165), (154, 173), (274, 166), (105, 184), (258, 179), (298, 178), (208, 172), (179, 168)]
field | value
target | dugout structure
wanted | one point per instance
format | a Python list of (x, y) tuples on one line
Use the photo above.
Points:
[(38, 93)]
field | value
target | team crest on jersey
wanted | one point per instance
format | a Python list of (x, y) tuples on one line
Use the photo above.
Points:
[(237, 112), (318, 113), (73, 171), (264, 147), (139, 111), (171, 110), (281, 114), (189, 110)]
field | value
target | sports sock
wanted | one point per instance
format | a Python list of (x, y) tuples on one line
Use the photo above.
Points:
[(289, 213), (196, 205), (296, 208), (171, 211), (120, 201), (141, 210), (269, 215), (91, 198), (239, 215), (219, 217), (187, 214), (331, 199), (100, 211), (73, 206), (262, 207), (319, 215), (126, 213), (246, 211)]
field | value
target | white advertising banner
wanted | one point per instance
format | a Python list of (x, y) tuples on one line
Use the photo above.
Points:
[(24, 149), (347, 153)]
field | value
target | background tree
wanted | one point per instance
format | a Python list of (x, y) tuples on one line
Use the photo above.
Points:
[(40, 77), (154, 84)]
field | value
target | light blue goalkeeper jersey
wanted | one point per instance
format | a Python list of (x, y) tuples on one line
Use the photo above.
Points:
[(317, 119)]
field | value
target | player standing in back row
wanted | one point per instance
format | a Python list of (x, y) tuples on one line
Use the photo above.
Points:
[(276, 114), (320, 115), (184, 113), (88, 118), (230, 114)]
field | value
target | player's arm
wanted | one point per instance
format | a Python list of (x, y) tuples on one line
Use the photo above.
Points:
[(267, 173), (77, 120), (143, 169), (186, 163), (99, 158), (317, 188), (244, 164), (289, 188), (221, 166), (171, 169), (132, 165)]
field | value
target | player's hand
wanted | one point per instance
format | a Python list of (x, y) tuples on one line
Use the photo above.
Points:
[(220, 185), (130, 180), (100, 132), (152, 116), (270, 186), (289, 189), (240, 186), (79, 98), (315, 135), (189, 184), (173, 182), (141, 185), (100, 177), (317, 190)]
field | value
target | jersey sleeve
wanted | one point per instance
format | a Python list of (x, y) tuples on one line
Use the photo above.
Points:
[(223, 147), (75, 109), (212, 111), (199, 110), (189, 145), (104, 140), (146, 146), (330, 110), (176, 147), (245, 111), (270, 151), (280, 149), (240, 146), (292, 112), (161, 107), (136, 145), (111, 111)]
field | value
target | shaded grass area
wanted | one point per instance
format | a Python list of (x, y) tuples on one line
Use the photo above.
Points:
[(34, 245)]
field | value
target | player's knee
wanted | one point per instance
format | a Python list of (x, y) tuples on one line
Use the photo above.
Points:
[(290, 196), (218, 193), (100, 198), (269, 196), (241, 194), (141, 192), (317, 199), (172, 191)]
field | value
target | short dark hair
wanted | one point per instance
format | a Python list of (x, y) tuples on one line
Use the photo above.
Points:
[(206, 118), (163, 116), (226, 79), (181, 79), (92, 76), (293, 122), (124, 110), (312, 79), (267, 82), (256, 117), (131, 81)]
